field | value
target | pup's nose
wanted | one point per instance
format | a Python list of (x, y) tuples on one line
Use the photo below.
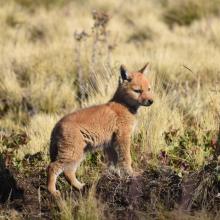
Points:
[(150, 101)]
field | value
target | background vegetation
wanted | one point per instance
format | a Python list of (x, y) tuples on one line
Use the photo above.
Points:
[(61, 55)]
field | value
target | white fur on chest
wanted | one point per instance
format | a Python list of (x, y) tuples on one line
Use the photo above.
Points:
[(134, 127)]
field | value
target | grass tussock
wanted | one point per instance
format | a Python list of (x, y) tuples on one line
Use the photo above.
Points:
[(83, 208), (187, 11), (38, 134)]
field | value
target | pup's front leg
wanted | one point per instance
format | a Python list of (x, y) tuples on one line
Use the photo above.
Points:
[(124, 155)]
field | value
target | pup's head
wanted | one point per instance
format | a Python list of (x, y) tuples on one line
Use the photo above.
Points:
[(135, 87)]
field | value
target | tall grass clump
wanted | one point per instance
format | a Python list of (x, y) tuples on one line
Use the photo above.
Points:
[(41, 3), (186, 11), (82, 208), (38, 131)]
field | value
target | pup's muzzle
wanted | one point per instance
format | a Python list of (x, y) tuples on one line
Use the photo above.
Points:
[(148, 102)]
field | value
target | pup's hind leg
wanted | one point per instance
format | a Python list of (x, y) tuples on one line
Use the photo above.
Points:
[(54, 170), (70, 174), (112, 156)]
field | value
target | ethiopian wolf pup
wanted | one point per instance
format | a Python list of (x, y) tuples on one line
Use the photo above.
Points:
[(109, 125)]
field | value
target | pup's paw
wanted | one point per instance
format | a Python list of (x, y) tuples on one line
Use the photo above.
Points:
[(56, 194)]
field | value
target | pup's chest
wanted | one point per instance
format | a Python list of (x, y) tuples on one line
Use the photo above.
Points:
[(134, 126)]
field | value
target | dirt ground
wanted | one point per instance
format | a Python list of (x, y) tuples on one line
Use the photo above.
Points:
[(127, 197)]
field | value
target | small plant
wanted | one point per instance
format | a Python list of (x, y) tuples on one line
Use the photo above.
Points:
[(100, 60), (188, 151), (9, 144)]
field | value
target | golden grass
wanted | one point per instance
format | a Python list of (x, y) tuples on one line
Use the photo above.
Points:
[(83, 208), (38, 131)]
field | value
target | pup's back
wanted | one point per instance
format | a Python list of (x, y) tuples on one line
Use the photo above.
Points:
[(88, 128)]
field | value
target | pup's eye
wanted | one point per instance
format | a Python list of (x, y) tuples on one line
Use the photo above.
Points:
[(138, 90), (149, 89)]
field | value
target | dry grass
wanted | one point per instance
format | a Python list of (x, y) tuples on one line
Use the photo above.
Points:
[(38, 132), (82, 208), (45, 71)]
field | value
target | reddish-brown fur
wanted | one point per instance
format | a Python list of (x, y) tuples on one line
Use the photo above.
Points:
[(109, 125)]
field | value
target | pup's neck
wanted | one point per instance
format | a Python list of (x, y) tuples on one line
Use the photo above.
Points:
[(120, 99)]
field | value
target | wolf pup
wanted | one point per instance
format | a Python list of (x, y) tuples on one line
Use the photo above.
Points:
[(108, 125)]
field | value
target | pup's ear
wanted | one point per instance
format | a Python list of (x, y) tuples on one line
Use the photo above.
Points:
[(144, 69), (124, 73)]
